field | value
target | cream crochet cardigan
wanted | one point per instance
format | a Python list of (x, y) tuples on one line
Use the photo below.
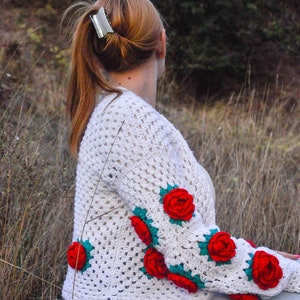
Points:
[(144, 221)]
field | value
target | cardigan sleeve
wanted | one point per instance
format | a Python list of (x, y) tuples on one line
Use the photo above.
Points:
[(152, 170)]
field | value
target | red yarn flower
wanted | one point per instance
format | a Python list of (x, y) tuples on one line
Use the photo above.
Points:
[(221, 247), (76, 256), (251, 243), (154, 263), (141, 229), (243, 297), (266, 270), (178, 204), (183, 282)]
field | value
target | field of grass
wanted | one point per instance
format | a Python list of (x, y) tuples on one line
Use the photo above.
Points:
[(249, 142), (250, 148)]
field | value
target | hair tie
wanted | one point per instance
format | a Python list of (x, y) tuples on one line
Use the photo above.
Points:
[(101, 23)]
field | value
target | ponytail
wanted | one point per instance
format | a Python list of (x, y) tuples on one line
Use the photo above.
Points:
[(137, 28), (85, 80)]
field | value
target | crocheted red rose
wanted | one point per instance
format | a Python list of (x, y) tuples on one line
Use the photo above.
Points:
[(178, 204), (183, 282), (141, 229), (76, 256), (154, 263), (266, 270), (243, 297), (221, 247), (251, 243)]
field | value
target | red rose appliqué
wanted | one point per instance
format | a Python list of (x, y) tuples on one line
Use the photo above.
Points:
[(141, 229), (76, 256), (266, 270), (221, 247), (154, 263), (178, 204), (243, 297), (183, 282)]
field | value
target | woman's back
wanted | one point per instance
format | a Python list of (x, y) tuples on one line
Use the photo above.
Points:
[(117, 134)]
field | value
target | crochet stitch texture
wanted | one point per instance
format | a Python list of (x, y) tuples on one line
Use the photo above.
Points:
[(128, 155)]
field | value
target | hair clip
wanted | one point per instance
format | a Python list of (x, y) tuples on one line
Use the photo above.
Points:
[(101, 23)]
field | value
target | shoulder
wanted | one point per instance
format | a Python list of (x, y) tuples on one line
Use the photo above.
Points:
[(130, 110), (127, 121), (127, 104)]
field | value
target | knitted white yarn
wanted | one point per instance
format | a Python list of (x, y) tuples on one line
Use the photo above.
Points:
[(128, 153)]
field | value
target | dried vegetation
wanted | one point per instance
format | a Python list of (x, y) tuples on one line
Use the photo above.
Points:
[(249, 142)]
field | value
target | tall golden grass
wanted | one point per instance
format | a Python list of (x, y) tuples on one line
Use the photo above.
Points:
[(250, 146), (249, 143), (36, 194)]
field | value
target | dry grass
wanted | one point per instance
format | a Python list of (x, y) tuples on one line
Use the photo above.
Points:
[(36, 179), (251, 150), (250, 146)]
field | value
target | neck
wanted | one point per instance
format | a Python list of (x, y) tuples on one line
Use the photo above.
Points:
[(141, 80)]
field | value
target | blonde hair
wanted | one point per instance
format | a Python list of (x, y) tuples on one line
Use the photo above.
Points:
[(137, 28)]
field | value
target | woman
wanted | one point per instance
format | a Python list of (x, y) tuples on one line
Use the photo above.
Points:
[(144, 221)]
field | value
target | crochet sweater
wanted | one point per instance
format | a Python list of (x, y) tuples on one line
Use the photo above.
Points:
[(144, 220)]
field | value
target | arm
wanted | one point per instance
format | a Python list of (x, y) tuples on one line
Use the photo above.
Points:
[(149, 169)]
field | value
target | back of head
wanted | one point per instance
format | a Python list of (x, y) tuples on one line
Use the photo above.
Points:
[(136, 28)]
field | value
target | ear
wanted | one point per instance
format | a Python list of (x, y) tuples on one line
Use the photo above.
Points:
[(161, 50)]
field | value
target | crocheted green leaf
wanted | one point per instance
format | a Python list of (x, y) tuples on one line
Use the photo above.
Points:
[(163, 191), (145, 272), (223, 263), (179, 269), (140, 212), (88, 248), (203, 245), (248, 271), (203, 248), (154, 235), (177, 222)]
